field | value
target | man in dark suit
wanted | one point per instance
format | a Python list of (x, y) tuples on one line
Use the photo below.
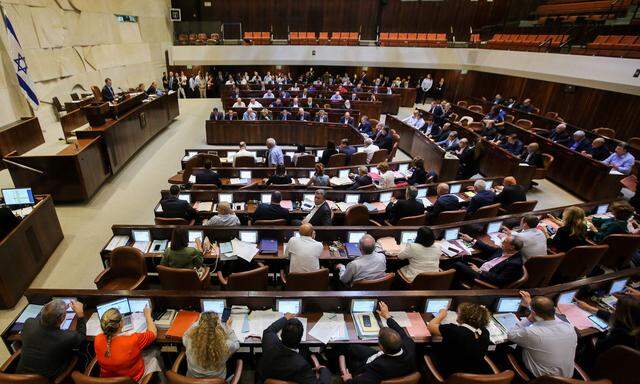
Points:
[(302, 115), (207, 175), (346, 148), (532, 156), (230, 115), (443, 134), (361, 179), (511, 192), (397, 209), (322, 117), (320, 215), (152, 90), (107, 91), (482, 198), (347, 119), (310, 104), (216, 115), (173, 207), (467, 158), (285, 115), (597, 150), (396, 357), (579, 142), (272, 211), (430, 128), (384, 140), (560, 135), (365, 125), (444, 202), (281, 359), (501, 267), (513, 145)]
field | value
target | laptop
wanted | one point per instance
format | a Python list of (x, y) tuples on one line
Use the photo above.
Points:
[(319, 153), (245, 175), (293, 306), (141, 239), (308, 201), (217, 306), (185, 197), (385, 197), (566, 297), (343, 174), (602, 209), (433, 306), (455, 188), (225, 248), (193, 235), (403, 168), (494, 227), (268, 246), (353, 242), (231, 155), (351, 198), (363, 305), (225, 198), (18, 196), (505, 313), (422, 196), (265, 198), (407, 237), (249, 236), (617, 286), (451, 234), (126, 308), (488, 184)]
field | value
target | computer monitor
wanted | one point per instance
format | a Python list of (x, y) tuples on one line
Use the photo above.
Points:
[(618, 286), (434, 305), (385, 197), (374, 170), (407, 237), (566, 297), (355, 236), (422, 192), (213, 305), (403, 168), (488, 184), (245, 174), (121, 305), (185, 196), (508, 304), (319, 153), (343, 173), (265, 198), (451, 234), (494, 227), (293, 306), (231, 154), (308, 197), (249, 236), (351, 198), (455, 188), (138, 305), (193, 235), (602, 209), (363, 305), (18, 196), (225, 198), (143, 236)]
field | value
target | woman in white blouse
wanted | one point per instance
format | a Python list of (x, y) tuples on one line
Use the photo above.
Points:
[(387, 177), (423, 255)]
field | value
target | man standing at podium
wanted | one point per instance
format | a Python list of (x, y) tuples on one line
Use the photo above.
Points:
[(107, 90)]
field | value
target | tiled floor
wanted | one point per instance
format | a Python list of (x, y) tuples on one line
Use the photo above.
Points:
[(129, 198)]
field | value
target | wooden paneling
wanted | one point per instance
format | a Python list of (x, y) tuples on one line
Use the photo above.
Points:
[(20, 136)]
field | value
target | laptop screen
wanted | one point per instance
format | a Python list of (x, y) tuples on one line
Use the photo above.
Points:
[(355, 236), (138, 305), (407, 237), (363, 305), (245, 174), (249, 236), (214, 305), (308, 197), (488, 184), (121, 305), (351, 198), (422, 192), (319, 152), (231, 154), (566, 297), (494, 227), (185, 196), (193, 235), (434, 306), (602, 209), (312, 173), (343, 173), (455, 188), (293, 306), (451, 234), (374, 170), (508, 304), (265, 198), (225, 197), (403, 168), (618, 286), (385, 197), (18, 196), (141, 236)]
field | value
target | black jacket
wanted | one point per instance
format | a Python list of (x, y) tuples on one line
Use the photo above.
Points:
[(8, 221), (216, 116), (176, 208), (279, 180), (344, 120), (385, 142), (387, 367), (510, 194), (361, 181), (481, 199), (404, 208), (443, 203), (535, 160), (270, 212), (560, 138), (207, 176), (600, 153), (419, 176), (108, 94), (505, 272), (326, 155), (281, 363), (468, 164), (322, 216)]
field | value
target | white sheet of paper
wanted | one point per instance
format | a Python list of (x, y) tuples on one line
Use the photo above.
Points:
[(93, 325), (245, 251), (330, 327), (400, 317), (260, 320)]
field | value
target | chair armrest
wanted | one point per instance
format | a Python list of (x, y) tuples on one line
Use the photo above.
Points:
[(13, 359), (139, 283), (342, 363), (92, 365), (374, 223), (433, 370), (517, 368), (221, 278), (104, 275), (238, 372), (148, 378), (64, 375), (283, 277), (582, 374), (176, 364), (494, 368), (205, 280), (386, 222), (483, 284)]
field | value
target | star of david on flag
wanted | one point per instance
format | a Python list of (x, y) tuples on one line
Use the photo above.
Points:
[(20, 65)]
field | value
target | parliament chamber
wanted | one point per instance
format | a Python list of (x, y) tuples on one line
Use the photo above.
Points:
[(353, 191)]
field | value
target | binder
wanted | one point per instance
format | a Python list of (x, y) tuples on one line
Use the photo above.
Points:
[(268, 246), (182, 322)]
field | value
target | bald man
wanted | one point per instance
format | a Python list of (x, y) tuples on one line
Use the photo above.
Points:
[(511, 192), (370, 266), (304, 251), (444, 202)]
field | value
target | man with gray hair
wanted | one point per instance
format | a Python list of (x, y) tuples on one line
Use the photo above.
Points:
[(482, 197), (321, 213), (579, 142), (274, 153), (47, 349), (560, 135), (362, 179), (398, 209), (370, 266), (444, 202), (369, 149)]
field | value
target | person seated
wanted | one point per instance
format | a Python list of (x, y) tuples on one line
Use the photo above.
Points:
[(413, 119), (265, 115), (600, 228), (482, 198), (533, 239), (465, 343), (208, 345), (242, 151), (444, 133), (320, 214), (444, 202), (384, 139), (207, 175), (387, 176), (548, 343), (365, 125), (395, 358), (304, 251), (597, 150), (239, 103), (361, 179), (47, 349), (526, 106), (511, 192), (398, 209), (467, 159), (225, 217), (153, 89), (346, 148), (302, 115), (255, 104), (322, 116), (513, 145), (578, 143), (369, 148), (230, 115), (620, 160), (319, 178), (572, 231), (8, 222), (268, 95), (271, 211), (495, 115), (124, 355), (249, 115), (329, 151), (489, 130), (498, 100), (310, 104), (179, 254), (501, 265), (560, 135), (285, 115), (422, 255), (451, 142), (216, 115), (371, 265), (418, 174), (277, 103), (280, 177), (336, 96), (532, 156), (281, 359), (173, 207), (347, 119), (295, 103)]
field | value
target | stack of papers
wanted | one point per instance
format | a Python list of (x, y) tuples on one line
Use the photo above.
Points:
[(330, 327), (578, 317), (366, 332), (340, 181), (261, 320), (303, 180), (245, 251), (203, 206), (400, 317), (496, 334), (344, 206), (117, 241), (389, 245), (449, 249)]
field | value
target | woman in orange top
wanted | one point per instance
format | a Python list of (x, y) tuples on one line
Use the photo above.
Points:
[(122, 355)]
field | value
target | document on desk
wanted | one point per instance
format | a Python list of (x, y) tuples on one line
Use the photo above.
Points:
[(117, 241), (203, 206), (344, 206), (578, 317), (192, 179), (330, 327), (245, 251), (449, 249), (93, 325), (389, 245), (237, 181), (417, 327), (496, 334), (261, 320), (303, 180), (425, 201), (240, 325), (287, 204), (614, 172), (340, 181), (400, 317)]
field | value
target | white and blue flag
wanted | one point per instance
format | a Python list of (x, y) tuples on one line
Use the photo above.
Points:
[(20, 65)]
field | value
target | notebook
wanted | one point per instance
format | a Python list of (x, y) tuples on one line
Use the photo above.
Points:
[(182, 322), (268, 246)]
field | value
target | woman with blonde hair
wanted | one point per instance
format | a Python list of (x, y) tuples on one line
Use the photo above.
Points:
[(124, 355), (209, 344), (572, 231), (387, 177)]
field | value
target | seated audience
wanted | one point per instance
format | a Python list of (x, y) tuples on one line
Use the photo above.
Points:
[(216, 115), (620, 160), (465, 343), (415, 120), (271, 211), (302, 115), (548, 343), (47, 349), (572, 231), (266, 115), (533, 239), (511, 192), (280, 177), (418, 173), (532, 156), (371, 265), (579, 142), (398, 209), (526, 106), (173, 207), (304, 252), (365, 125), (285, 115), (451, 142), (329, 151), (346, 148), (362, 179), (423, 255), (489, 130), (179, 254), (207, 175), (597, 150), (482, 198), (467, 159), (208, 345), (322, 116), (387, 176), (253, 103), (430, 128), (321, 213), (319, 178), (347, 119), (230, 115), (444, 202), (225, 217), (600, 228), (444, 133), (369, 149), (239, 103), (560, 135), (513, 145), (249, 114)]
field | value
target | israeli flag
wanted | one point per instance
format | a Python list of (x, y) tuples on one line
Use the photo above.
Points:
[(20, 65)]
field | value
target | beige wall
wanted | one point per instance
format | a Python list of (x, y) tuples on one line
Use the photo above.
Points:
[(70, 43)]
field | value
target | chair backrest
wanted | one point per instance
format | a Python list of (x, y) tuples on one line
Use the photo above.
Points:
[(509, 118), (486, 212), (80, 378), (524, 123), (412, 378), (170, 221), (185, 279), (127, 261), (57, 104), (381, 284), (565, 380), (306, 161), (254, 280), (97, 94), (608, 132), (244, 161), (9, 378), (433, 280), (359, 158), (394, 148), (476, 108), (541, 269), (468, 378), (412, 220), (337, 160), (634, 142), (204, 187), (521, 281), (619, 364), (522, 206), (310, 281), (379, 156), (622, 247), (551, 115), (270, 222), (449, 217), (357, 215), (578, 262)]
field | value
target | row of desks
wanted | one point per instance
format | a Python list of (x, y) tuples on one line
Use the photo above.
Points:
[(373, 109), (333, 114)]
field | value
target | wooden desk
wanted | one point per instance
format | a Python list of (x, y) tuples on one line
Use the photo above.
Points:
[(19, 137), (71, 106), (333, 115), (72, 121), (373, 109), (25, 251)]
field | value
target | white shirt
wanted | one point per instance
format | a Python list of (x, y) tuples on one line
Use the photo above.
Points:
[(268, 95), (255, 104), (421, 259), (369, 151), (548, 347), (411, 120), (419, 123), (304, 254), (388, 180), (426, 84), (239, 104), (535, 242)]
